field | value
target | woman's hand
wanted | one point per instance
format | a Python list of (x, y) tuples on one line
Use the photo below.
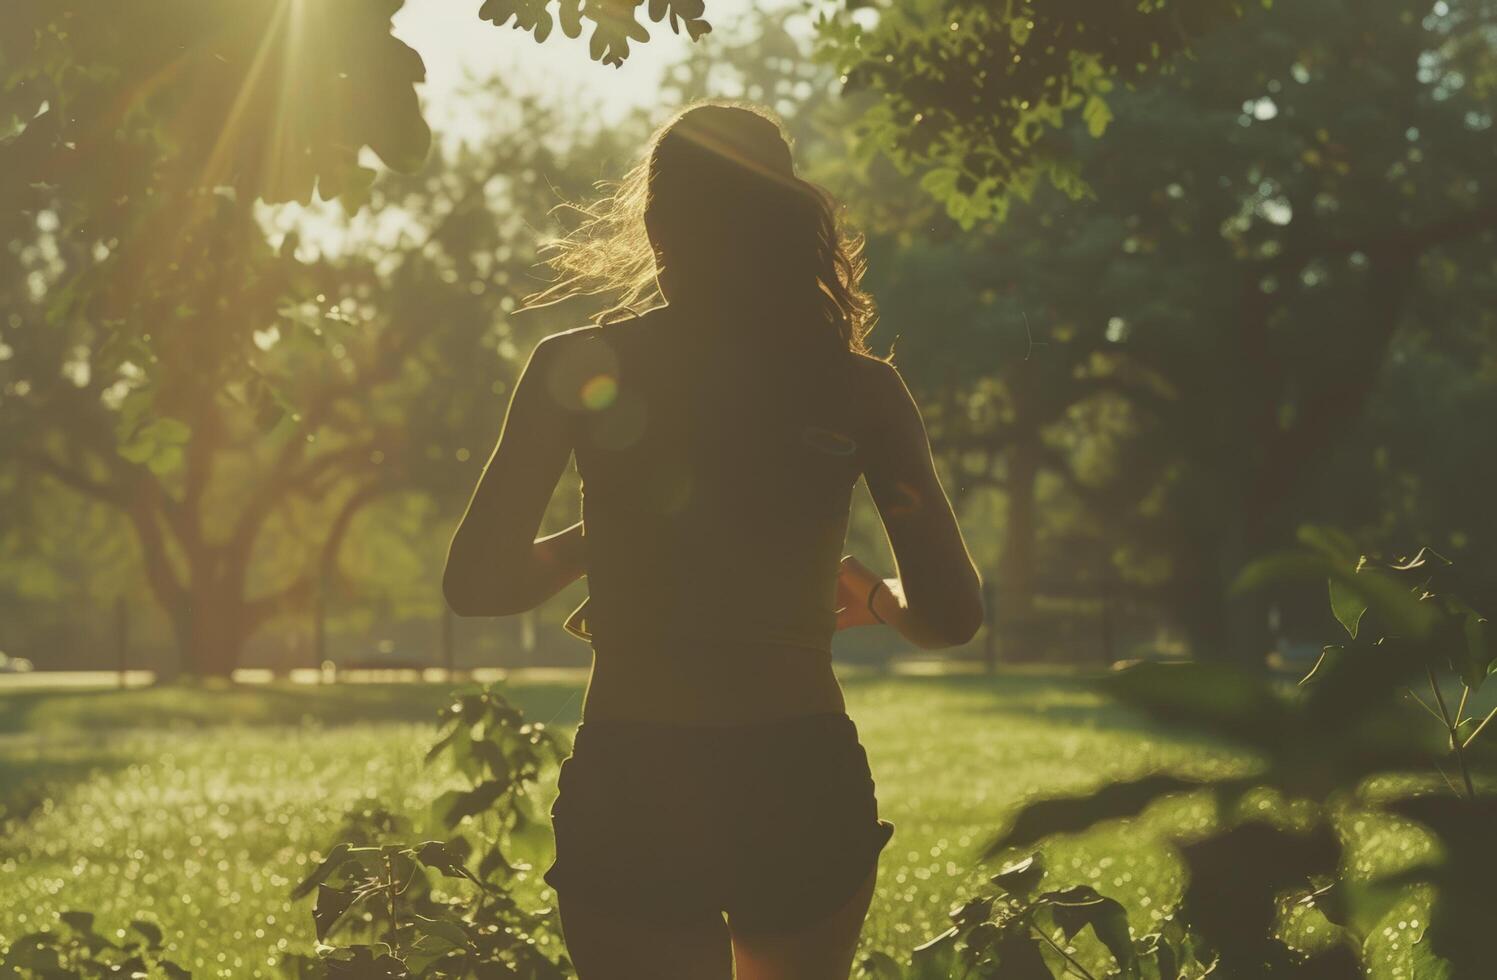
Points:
[(855, 581)]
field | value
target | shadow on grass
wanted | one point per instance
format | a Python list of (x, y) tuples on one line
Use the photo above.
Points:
[(1062, 698), (1066, 700), (188, 708), (26, 784)]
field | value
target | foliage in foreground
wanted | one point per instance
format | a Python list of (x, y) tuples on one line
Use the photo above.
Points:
[(82, 951), (1020, 933), (381, 907), (1278, 845)]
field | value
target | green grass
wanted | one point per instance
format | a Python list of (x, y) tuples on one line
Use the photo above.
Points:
[(202, 808)]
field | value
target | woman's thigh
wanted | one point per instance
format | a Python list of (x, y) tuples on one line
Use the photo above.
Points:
[(820, 951), (606, 946)]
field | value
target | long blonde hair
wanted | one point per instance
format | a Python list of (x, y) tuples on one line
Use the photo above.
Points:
[(715, 172)]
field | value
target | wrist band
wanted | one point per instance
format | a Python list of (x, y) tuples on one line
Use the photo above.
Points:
[(871, 593)]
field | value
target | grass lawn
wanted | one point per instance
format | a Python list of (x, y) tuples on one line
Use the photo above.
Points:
[(200, 809)]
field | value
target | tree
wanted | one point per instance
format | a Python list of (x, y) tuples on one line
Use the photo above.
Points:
[(1163, 380), (164, 359), (1252, 253), (970, 97), (138, 282), (975, 98)]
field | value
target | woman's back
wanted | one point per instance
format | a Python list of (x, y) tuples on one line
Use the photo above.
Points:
[(717, 467), (718, 438)]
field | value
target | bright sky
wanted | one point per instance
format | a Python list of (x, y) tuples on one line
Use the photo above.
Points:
[(457, 45)]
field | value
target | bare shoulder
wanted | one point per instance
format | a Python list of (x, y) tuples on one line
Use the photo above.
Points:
[(594, 336), (582, 345), (874, 374), (564, 339), (565, 362), (881, 388)]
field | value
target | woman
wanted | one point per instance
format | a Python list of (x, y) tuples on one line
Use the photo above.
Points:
[(718, 436)]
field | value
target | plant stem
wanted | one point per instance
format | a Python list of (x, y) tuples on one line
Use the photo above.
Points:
[(390, 894), (1472, 737), (1420, 701), (1455, 742), (1081, 971)]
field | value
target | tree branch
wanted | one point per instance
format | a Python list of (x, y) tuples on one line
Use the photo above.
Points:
[(304, 587), (76, 479)]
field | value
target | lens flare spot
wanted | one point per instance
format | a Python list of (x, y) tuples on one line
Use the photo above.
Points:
[(621, 426), (599, 391)]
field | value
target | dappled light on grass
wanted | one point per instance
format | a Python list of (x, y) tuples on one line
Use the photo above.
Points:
[(206, 831), (205, 834)]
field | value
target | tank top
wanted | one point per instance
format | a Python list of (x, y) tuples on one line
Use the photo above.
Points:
[(717, 472)]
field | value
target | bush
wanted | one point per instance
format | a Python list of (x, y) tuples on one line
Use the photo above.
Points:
[(1323, 746), (81, 951), (386, 901)]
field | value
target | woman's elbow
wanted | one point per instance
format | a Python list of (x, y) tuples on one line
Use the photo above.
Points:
[(951, 628), (946, 630), (476, 596), (463, 600), (959, 633)]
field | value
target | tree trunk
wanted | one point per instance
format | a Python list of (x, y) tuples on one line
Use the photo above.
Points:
[(1015, 615), (210, 632)]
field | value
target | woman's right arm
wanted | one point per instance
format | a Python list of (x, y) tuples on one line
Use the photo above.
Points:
[(936, 599)]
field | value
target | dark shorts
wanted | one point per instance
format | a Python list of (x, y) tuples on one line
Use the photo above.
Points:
[(775, 824)]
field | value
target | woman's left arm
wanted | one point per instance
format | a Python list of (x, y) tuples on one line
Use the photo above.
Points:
[(495, 565)]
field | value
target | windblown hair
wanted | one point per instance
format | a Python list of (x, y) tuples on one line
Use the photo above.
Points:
[(716, 201)]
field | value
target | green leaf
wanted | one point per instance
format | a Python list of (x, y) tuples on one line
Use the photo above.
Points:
[(1396, 607), (436, 939), (1481, 650), (437, 854), (972, 912), (877, 965), (332, 903), (1330, 655), (1167, 957), (1427, 965), (1097, 115), (936, 958), (443, 742), (154, 438), (1235, 879), (494, 861), (454, 807), (941, 183), (492, 756), (1348, 606), (371, 860), (1082, 906), (1020, 877), (448, 927), (321, 872), (1331, 542), (355, 193), (1019, 957)]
